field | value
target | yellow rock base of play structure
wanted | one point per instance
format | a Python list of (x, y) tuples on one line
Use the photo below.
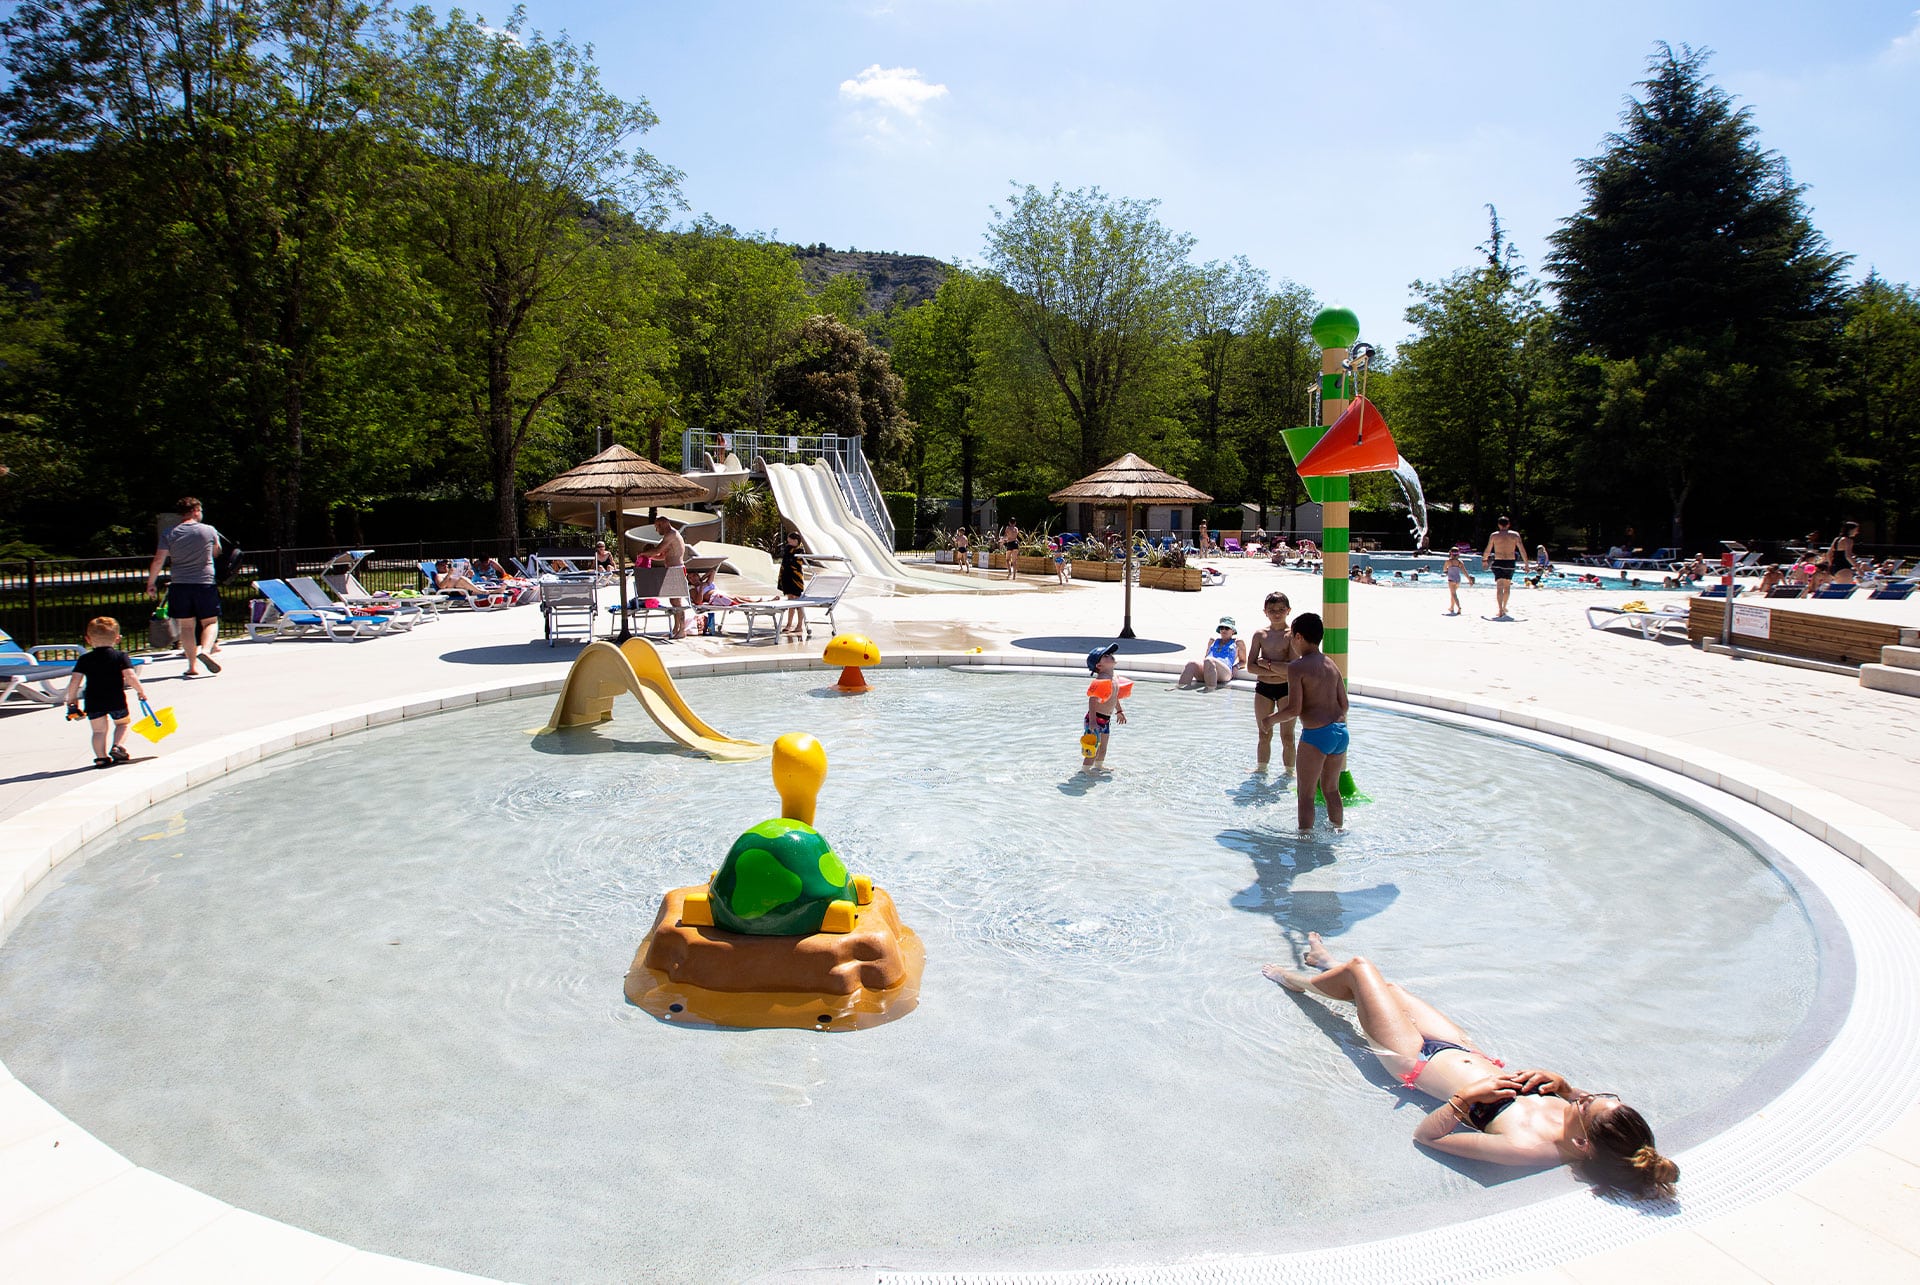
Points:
[(824, 981)]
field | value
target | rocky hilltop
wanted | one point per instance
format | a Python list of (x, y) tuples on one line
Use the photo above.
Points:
[(903, 279)]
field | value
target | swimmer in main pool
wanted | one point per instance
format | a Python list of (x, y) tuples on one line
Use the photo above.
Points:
[(1529, 1117), (1317, 696)]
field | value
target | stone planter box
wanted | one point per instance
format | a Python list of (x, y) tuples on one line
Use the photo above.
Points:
[(1184, 579), (1098, 570), (1033, 566)]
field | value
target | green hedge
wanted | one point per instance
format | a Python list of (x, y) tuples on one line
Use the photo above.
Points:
[(903, 508)]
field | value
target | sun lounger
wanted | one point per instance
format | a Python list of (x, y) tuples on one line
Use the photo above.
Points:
[(1721, 591), (1892, 592), (27, 673), (287, 615), (1650, 623), (1835, 591), (310, 592), (823, 594), (564, 598), (341, 575), (484, 600), (1787, 591), (657, 586)]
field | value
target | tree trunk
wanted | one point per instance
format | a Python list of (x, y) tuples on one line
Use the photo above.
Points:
[(966, 479), (506, 453)]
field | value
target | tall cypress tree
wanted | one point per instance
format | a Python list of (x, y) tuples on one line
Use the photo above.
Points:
[(1704, 308)]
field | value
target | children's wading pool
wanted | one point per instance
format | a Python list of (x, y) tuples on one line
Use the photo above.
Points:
[(374, 988)]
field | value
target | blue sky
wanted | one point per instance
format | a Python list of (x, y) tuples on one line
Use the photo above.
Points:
[(1350, 147)]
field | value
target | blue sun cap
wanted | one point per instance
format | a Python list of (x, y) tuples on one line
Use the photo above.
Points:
[(1093, 657)]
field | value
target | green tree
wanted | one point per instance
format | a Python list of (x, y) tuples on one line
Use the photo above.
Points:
[(936, 348), (1471, 406), (736, 306), (1226, 299), (1097, 285), (516, 142), (1879, 410), (1269, 389), (212, 158), (835, 381), (1693, 260)]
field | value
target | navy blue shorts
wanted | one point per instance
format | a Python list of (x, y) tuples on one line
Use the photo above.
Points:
[(193, 602)]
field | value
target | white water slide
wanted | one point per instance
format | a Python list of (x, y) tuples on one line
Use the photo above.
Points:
[(810, 499)]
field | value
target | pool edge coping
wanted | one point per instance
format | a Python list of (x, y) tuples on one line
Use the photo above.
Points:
[(37, 841)]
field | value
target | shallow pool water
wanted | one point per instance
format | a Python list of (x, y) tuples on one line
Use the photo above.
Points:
[(374, 988)]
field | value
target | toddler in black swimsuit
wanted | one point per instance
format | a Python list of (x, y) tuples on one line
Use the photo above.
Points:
[(105, 671)]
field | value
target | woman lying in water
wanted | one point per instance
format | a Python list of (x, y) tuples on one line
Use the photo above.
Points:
[(1529, 1117)]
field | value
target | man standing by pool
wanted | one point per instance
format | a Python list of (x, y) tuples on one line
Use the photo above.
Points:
[(1505, 550), (672, 552), (193, 599)]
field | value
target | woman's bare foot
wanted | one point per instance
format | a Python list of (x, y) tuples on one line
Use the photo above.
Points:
[(1317, 955), (1293, 981)]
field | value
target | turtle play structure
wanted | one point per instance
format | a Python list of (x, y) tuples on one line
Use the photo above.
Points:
[(782, 935)]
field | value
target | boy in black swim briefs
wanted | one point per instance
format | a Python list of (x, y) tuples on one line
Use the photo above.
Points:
[(1268, 655), (105, 671)]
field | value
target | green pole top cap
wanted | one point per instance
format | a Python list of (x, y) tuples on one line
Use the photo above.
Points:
[(1335, 328)]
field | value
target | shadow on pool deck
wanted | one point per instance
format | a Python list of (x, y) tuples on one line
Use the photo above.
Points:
[(1075, 645)]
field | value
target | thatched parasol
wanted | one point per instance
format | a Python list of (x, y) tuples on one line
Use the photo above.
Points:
[(619, 476), (1128, 481)]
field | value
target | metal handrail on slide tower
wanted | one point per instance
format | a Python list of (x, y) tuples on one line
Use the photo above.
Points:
[(845, 460)]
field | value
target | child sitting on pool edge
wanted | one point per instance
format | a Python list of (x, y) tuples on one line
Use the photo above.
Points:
[(1102, 711)]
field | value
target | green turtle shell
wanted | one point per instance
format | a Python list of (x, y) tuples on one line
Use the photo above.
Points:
[(777, 881)]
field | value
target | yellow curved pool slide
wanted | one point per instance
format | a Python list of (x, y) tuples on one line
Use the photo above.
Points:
[(603, 671)]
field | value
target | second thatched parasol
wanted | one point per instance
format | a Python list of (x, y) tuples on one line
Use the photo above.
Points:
[(619, 476), (1128, 481)]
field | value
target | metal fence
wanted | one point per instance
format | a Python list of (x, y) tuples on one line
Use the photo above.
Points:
[(50, 600)]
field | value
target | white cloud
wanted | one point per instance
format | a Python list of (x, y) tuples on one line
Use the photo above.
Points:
[(898, 89), (1903, 49)]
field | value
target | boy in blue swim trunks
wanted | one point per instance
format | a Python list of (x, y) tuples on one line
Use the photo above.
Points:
[(1102, 711), (1317, 696)]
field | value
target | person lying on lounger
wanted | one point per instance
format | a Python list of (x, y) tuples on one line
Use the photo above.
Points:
[(1530, 1117), (451, 577)]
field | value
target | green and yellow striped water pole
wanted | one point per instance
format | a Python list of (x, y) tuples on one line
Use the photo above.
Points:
[(1335, 330)]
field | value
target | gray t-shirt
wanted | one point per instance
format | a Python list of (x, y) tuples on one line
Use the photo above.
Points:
[(192, 546)]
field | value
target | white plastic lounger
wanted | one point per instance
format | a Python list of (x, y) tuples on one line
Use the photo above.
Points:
[(1649, 623), (823, 594)]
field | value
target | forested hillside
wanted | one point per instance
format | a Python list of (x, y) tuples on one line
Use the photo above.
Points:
[(893, 280)]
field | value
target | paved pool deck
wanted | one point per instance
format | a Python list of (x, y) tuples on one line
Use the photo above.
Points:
[(1847, 753)]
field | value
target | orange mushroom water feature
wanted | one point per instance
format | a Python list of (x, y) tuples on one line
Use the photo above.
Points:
[(854, 652)]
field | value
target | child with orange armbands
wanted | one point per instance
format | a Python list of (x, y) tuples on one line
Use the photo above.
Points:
[(1104, 695)]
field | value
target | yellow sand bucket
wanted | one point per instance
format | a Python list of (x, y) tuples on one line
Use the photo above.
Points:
[(157, 725)]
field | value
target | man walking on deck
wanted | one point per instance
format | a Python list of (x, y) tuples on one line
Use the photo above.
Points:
[(193, 598), (1505, 550)]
